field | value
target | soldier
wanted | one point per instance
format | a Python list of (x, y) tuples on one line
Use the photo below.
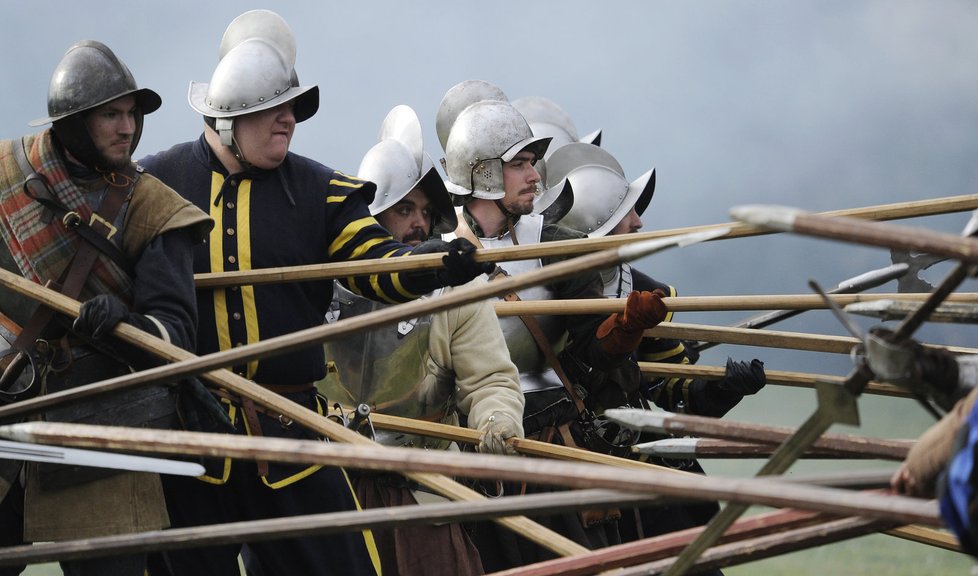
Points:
[(429, 368), (75, 210), (489, 158), (605, 203), (276, 208)]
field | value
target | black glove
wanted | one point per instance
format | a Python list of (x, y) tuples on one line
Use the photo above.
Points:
[(719, 397), (99, 316), (743, 377), (460, 266)]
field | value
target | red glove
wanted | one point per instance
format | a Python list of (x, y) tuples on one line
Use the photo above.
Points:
[(621, 332)]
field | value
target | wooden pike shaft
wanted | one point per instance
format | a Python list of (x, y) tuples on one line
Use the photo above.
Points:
[(562, 248), (769, 545), (848, 229), (779, 377), (314, 524), (245, 388), (687, 424), (688, 448), (362, 455), (716, 303), (663, 546), (767, 338)]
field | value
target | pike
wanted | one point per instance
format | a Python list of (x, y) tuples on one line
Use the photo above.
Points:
[(886, 309), (791, 302), (778, 377), (835, 403), (563, 247), (864, 281), (767, 338), (769, 545), (37, 453), (769, 492), (690, 448), (314, 524), (854, 230), (670, 423), (186, 364)]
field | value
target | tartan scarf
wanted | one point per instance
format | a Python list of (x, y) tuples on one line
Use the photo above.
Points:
[(44, 249)]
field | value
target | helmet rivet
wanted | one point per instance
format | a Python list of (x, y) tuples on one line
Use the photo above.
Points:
[(261, 99)]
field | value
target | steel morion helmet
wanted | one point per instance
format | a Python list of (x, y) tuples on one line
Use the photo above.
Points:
[(255, 72), (458, 98), (88, 76), (486, 135), (397, 164), (602, 195)]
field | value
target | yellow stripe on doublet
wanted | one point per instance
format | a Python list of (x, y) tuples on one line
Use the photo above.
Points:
[(217, 262), (244, 259)]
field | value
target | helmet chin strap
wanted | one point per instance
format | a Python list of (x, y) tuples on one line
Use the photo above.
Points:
[(225, 129)]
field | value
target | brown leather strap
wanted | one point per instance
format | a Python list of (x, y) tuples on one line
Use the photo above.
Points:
[(73, 277), (254, 429)]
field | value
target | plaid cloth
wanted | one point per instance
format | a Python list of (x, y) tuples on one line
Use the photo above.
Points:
[(42, 249)]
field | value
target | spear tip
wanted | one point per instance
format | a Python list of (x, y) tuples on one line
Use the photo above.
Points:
[(677, 447), (767, 215), (638, 419)]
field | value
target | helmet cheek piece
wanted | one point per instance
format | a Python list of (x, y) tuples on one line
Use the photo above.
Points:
[(225, 129), (487, 179)]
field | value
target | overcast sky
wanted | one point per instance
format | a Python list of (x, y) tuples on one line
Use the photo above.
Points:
[(822, 105)]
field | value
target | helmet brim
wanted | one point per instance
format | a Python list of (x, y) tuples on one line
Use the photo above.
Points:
[(147, 100), (306, 102)]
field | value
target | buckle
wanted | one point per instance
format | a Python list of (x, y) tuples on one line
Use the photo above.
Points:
[(71, 220), (108, 225)]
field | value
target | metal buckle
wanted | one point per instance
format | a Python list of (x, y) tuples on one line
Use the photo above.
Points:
[(71, 219), (96, 218)]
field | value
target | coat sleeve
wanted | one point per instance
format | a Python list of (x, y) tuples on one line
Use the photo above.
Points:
[(469, 342)]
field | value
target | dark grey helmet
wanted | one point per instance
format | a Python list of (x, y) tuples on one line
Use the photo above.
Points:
[(88, 76)]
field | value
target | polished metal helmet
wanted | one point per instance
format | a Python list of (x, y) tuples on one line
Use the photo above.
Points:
[(486, 135), (397, 164), (458, 98), (602, 195), (259, 24), (89, 75), (546, 118)]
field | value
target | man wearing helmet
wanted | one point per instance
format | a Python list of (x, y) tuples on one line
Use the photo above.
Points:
[(490, 154), (76, 211), (607, 204), (275, 208), (429, 368)]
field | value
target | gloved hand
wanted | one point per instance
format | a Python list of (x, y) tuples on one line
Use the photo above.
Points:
[(495, 432), (743, 378), (99, 316), (460, 265), (930, 372), (621, 332)]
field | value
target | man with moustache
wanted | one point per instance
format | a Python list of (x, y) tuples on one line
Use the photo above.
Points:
[(490, 154), (77, 212)]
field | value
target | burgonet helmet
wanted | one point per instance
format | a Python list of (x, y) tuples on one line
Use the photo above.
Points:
[(256, 72), (485, 136), (458, 98), (546, 118), (398, 164), (602, 195), (88, 76)]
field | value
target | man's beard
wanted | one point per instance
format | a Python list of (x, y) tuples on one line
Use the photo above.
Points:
[(103, 162)]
